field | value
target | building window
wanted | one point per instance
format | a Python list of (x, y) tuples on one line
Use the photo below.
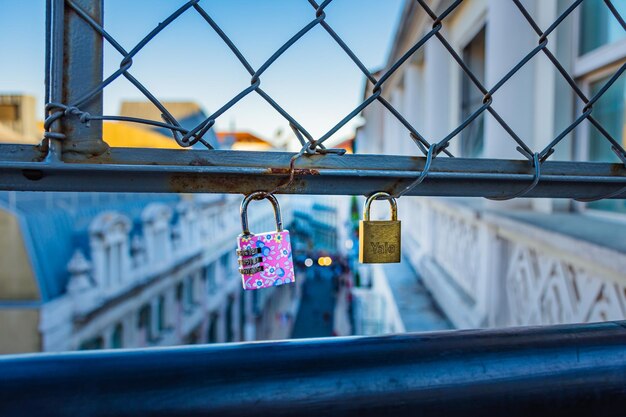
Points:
[(145, 320), (161, 313), (230, 334), (8, 112), (179, 291), (210, 279), (225, 265), (472, 137), (609, 111), (92, 344), (109, 242), (242, 316), (212, 332), (117, 339), (598, 25), (156, 231), (188, 296)]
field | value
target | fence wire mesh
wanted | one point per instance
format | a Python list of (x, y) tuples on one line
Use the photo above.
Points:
[(429, 147)]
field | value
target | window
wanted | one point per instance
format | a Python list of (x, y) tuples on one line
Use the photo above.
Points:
[(226, 266), (92, 344), (471, 98), (210, 279), (8, 112), (598, 25), (188, 300), (161, 313), (230, 334), (212, 333), (179, 291), (110, 249), (609, 111), (157, 233), (117, 339), (145, 320), (242, 316)]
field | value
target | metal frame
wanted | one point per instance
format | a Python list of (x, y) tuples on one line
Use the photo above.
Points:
[(213, 171)]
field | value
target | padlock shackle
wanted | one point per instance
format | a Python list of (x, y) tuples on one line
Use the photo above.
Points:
[(380, 195), (259, 195)]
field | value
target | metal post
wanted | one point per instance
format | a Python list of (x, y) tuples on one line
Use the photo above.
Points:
[(54, 70), (82, 72)]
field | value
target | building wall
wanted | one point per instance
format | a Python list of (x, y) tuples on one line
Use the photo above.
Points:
[(17, 112), (17, 281), (176, 282), (19, 315), (520, 262), (19, 329)]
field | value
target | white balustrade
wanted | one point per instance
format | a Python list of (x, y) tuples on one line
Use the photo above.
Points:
[(488, 269)]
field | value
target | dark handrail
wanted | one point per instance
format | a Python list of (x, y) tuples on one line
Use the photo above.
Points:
[(559, 370)]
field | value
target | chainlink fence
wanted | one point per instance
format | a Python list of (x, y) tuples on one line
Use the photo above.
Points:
[(74, 99)]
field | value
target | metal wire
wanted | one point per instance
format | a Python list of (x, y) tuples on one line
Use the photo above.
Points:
[(430, 147)]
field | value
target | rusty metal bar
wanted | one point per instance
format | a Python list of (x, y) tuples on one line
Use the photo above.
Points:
[(204, 171)]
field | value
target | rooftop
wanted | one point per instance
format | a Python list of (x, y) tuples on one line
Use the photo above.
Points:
[(54, 225)]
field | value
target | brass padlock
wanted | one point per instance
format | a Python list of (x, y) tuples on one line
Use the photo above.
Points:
[(379, 240)]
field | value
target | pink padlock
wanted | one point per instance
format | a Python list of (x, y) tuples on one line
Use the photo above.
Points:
[(264, 258)]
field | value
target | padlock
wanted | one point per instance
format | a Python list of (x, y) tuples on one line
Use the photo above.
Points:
[(264, 258), (379, 240)]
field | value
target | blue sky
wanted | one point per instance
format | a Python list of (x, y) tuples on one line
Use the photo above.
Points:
[(314, 80)]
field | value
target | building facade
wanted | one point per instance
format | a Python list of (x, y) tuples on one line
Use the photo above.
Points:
[(89, 271), (524, 261)]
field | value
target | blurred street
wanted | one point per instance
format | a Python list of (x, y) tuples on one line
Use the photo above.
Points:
[(317, 307)]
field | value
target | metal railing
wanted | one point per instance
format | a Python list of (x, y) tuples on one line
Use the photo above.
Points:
[(547, 371)]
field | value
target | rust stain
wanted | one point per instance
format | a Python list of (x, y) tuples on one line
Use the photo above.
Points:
[(41, 151), (196, 183), (297, 171), (398, 185), (103, 158), (617, 169), (199, 162), (186, 183)]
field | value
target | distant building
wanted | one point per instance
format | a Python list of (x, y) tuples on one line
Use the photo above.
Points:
[(17, 119), (317, 223), (188, 113), (242, 141), (347, 144)]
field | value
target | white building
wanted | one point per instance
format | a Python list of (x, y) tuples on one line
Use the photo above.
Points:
[(525, 261), (121, 270)]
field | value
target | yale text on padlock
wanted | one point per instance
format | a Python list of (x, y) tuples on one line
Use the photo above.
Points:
[(379, 240), (382, 248)]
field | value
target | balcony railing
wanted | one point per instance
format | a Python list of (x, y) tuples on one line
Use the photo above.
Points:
[(488, 268)]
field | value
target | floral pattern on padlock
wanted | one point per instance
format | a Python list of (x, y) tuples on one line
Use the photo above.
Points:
[(277, 263)]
